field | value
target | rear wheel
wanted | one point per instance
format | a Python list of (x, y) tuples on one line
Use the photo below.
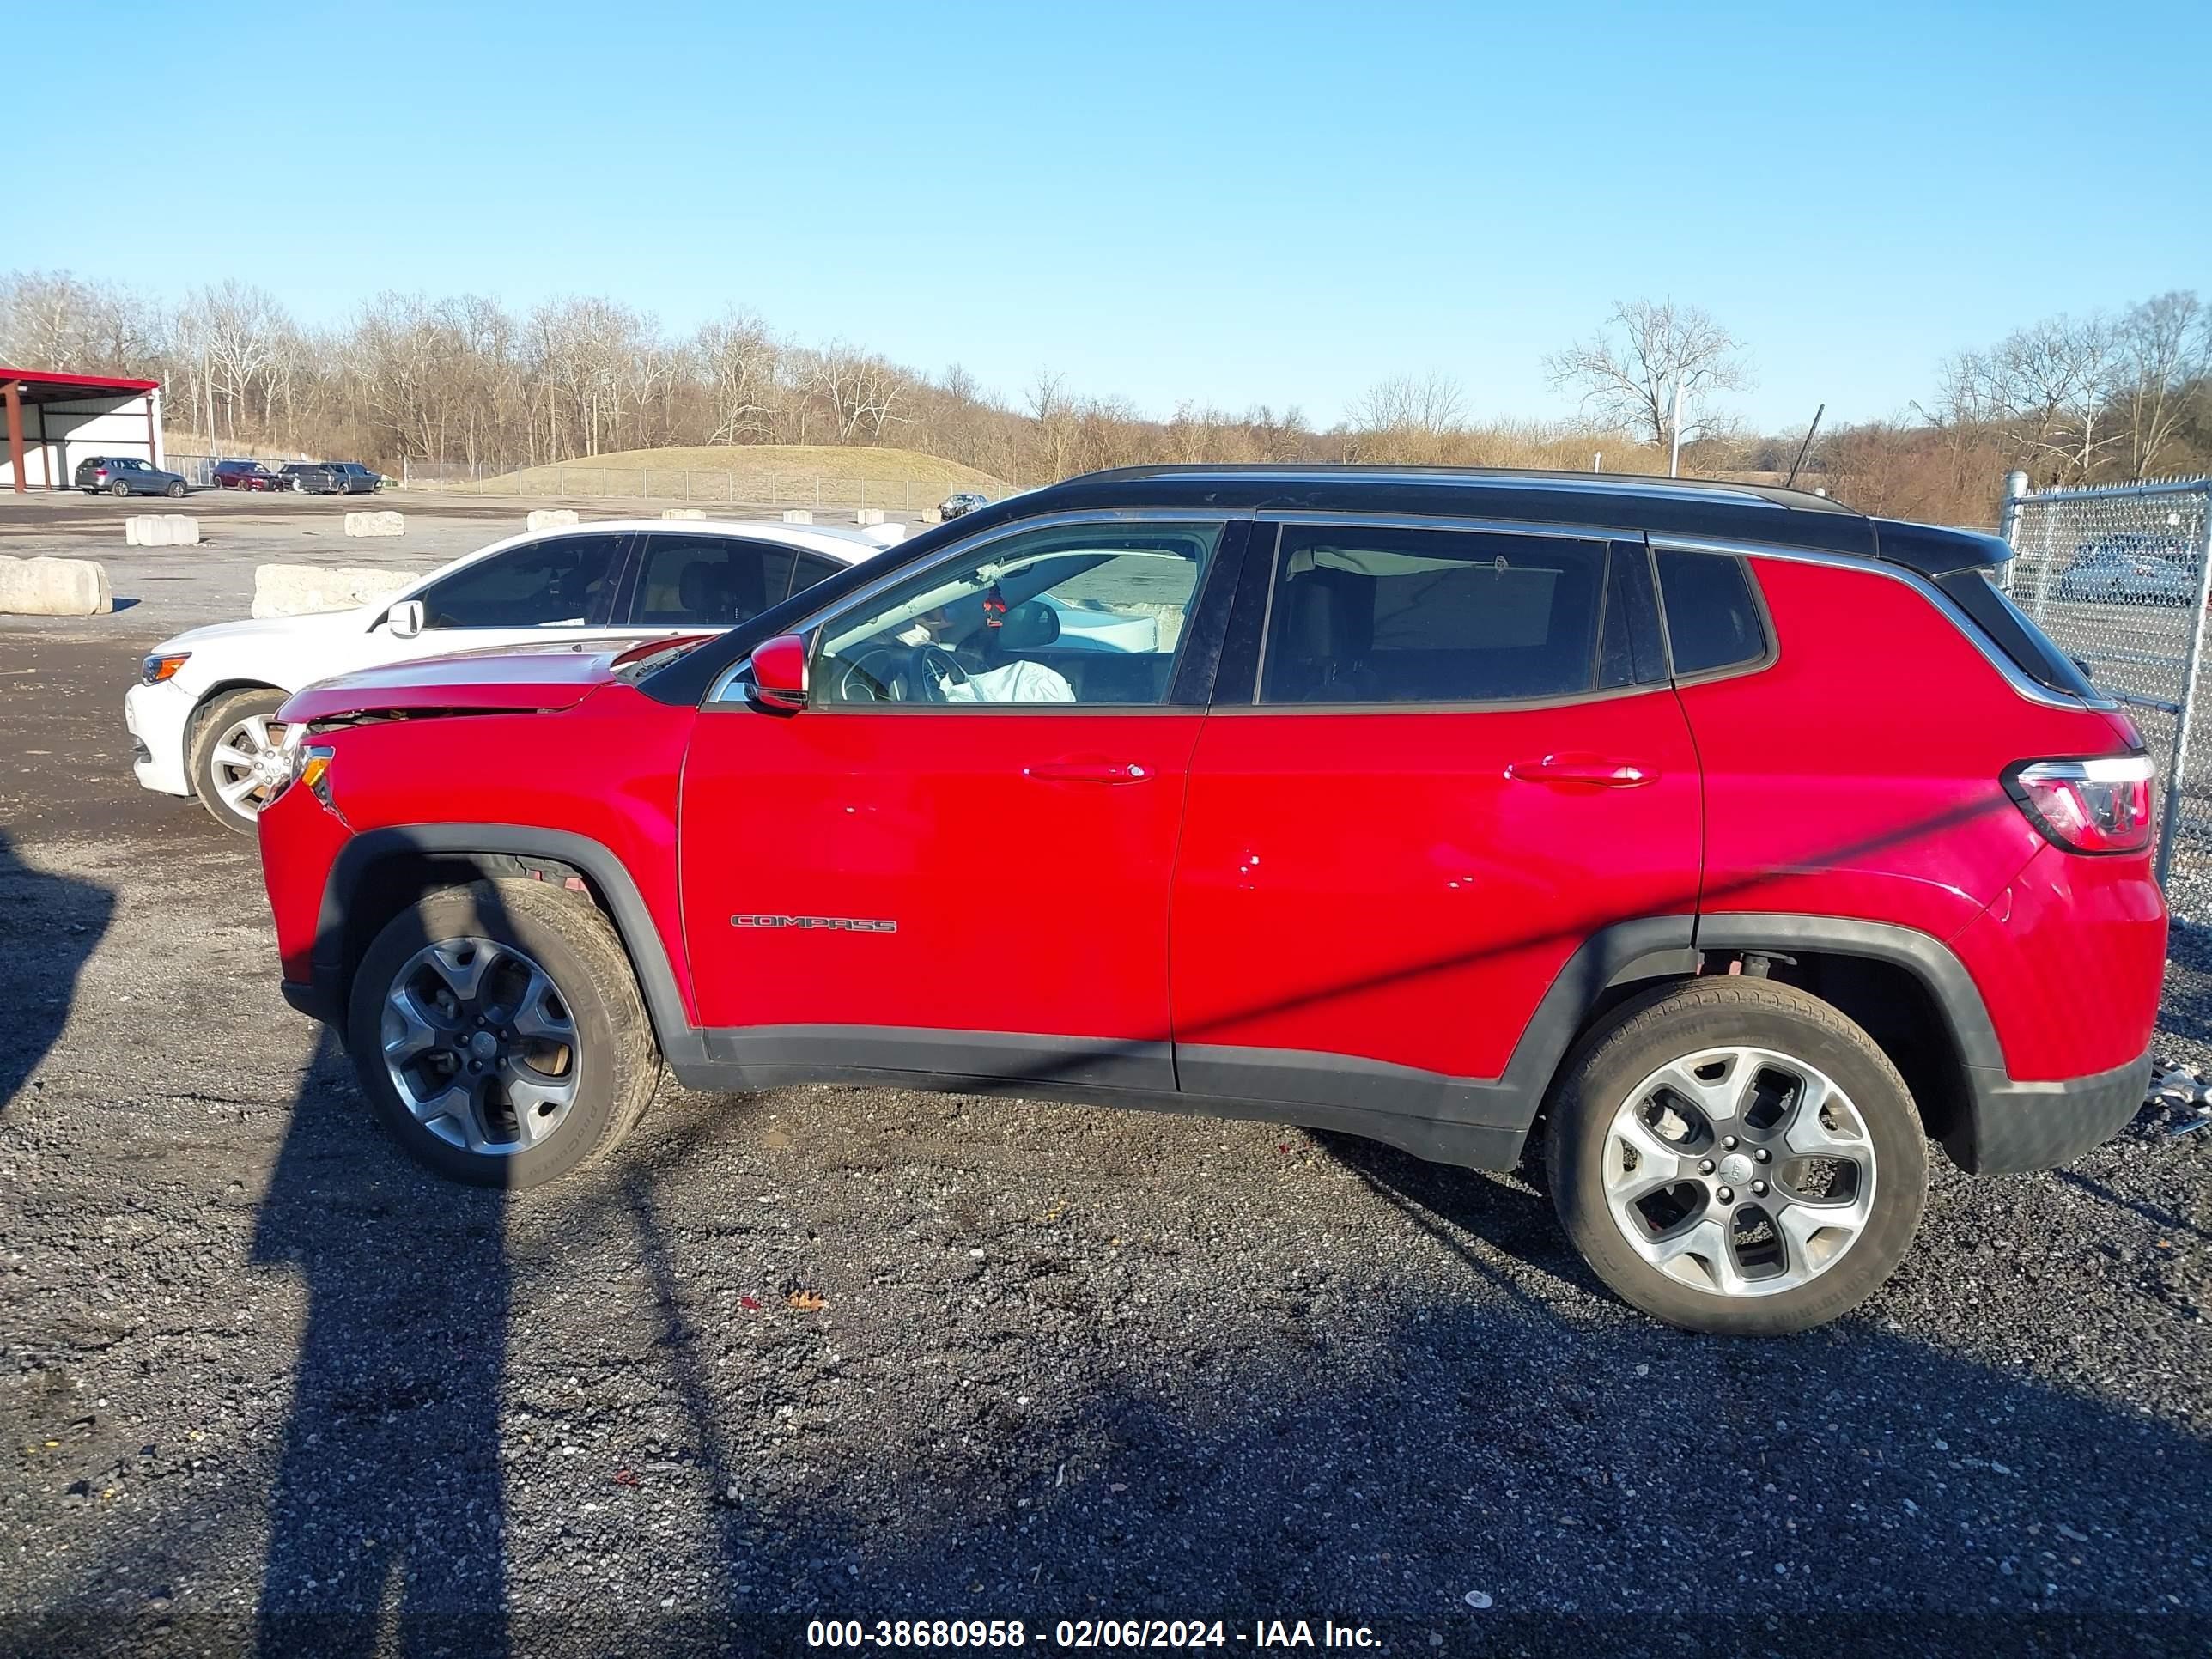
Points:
[(1734, 1156), (497, 1031), (118, 489), (238, 759)]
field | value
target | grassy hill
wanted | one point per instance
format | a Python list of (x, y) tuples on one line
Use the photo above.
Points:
[(753, 472)]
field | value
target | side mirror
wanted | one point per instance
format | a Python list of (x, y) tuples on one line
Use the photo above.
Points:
[(780, 673), (405, 619)]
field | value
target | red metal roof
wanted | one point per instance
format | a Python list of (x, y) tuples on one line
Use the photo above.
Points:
[(62, 384)]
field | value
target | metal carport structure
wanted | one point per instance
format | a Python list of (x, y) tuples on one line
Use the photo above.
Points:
[(75, 415)]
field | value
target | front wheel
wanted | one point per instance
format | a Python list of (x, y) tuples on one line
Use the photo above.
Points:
[(498, 1032), (175, 492), (1734, 1156), (238, 758)]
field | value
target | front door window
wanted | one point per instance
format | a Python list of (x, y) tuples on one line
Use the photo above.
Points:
[(1086, 615), (561, 581)]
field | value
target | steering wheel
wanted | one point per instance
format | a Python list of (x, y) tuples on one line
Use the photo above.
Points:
[(877, 675), (932, 667)]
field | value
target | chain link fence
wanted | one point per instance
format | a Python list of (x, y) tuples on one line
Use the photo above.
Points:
[(2119, 576)]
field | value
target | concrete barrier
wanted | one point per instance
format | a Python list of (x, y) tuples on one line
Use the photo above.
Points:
[(162, 529), (54, 587), (549, 518), (384, 523), (868, 515), (298, 590), (797, 515), (683, 512)]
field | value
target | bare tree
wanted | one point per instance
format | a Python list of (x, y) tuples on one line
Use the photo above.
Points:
[(1631, 373), (2164, 347), (1430, 404), (2046, 389), (1056, 417), (52, 319), (231, 334), (740, 357), (862, 390)]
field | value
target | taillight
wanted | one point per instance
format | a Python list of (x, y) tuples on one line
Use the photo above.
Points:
[(2100, 805)]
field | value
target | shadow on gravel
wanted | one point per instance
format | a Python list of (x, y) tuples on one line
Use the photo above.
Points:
[(49, 926), (1355, 1450), (387, 1513)]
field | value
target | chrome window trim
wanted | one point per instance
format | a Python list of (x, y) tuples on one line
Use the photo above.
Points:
[(1945, 606), (1483, 706), (1548, 528), (720, 693)]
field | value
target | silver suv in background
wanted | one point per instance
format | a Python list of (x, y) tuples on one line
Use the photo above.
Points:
[(125, 475)]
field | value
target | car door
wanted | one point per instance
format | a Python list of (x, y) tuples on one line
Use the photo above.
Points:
[(1459, 759), (560, 586), (957, 858)]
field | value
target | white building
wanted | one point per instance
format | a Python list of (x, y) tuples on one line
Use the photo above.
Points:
[(53, 420)]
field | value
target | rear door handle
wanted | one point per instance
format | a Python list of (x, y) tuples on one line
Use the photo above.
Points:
[(1088, 769), (1583, 769)]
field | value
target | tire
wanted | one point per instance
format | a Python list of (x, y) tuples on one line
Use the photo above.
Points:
[(175, 492), (612, 1066), (118, 489), (1802, 1267), (231, 734)]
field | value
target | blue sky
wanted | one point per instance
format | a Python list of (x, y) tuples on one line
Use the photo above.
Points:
[(1274, 204)]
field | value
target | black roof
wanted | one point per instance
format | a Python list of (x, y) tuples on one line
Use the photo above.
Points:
[(1611, 500), (1601, 501)]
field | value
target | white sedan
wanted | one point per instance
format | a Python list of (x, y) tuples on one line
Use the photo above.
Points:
[(201, 720)]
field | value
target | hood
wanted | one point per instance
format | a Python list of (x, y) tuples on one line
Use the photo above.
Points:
[(505, 678), (319, 623)]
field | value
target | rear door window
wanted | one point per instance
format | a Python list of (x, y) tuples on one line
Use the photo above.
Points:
[(1369, 616), (713, 581), (563, 580)]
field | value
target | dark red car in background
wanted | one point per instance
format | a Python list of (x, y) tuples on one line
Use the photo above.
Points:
[(245, 475), (1733, 845)]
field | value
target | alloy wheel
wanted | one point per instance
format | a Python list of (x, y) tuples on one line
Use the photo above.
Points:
[(248, 764), (1740, 1171), (481, 1045)]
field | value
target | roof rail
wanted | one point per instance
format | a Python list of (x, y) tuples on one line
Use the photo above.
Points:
[(1775, 495)]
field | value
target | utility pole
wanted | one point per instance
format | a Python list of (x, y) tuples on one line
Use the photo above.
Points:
[(1674, 433)]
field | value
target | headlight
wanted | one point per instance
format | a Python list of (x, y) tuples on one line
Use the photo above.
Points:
[(155, 670), (311, 765)]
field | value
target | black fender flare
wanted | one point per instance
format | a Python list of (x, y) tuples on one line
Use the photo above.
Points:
[(680, 1040)]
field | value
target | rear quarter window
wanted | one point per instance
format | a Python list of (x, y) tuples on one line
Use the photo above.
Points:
[(1713, 620)]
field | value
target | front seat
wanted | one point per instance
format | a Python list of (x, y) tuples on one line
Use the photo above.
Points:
[(704, 592)]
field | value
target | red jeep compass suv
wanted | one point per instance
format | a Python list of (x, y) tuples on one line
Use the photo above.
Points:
[(1743, 844)]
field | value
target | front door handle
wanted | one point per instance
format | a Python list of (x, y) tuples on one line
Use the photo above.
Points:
[(1583, 769), (1086, 768)]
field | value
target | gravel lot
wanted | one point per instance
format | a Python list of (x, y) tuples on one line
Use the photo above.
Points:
[(261, 1380)]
